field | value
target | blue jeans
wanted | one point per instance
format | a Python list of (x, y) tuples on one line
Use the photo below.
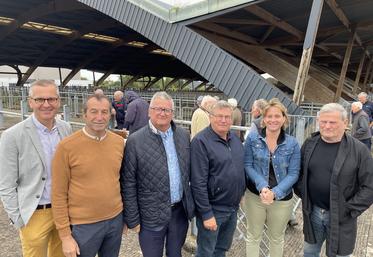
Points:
[(320, 224), (102, 238), (216, 243)]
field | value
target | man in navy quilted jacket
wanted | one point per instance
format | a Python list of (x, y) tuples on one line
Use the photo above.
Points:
[(155, 181)]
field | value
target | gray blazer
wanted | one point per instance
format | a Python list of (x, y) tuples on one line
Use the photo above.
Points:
[(22, 167)]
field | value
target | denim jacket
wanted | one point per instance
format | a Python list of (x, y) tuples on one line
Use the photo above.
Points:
[(285, 160)]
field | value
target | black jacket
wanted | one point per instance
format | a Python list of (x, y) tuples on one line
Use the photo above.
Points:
[(145, 183), (120, 112), (218, 173), (351, 192)]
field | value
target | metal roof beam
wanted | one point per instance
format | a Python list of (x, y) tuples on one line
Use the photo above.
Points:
[(201, 85), (186, 83), (269, 17), (346, 60), (210, 26), (40, 11), (343, 18), (105, 76), (240, 21), (169, 84), (94, 56), (130, 81), (267, 33), (358, 75), (96, 26), (151, 83)]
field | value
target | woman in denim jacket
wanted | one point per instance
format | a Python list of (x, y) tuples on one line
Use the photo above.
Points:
[(272, 163)]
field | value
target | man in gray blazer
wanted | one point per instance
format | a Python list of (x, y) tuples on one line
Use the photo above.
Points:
[(26, 152)]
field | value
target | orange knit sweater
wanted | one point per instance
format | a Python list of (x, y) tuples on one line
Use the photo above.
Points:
[(85, 180)]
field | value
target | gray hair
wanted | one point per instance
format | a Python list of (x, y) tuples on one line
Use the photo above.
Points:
[(221, 104), (99, 91), (162, 95), (43, 83), (359, 105), (334, 107), (260, 104), (207, 102), (363, 94)]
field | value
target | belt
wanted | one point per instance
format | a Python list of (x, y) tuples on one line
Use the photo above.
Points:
[(44, 206), (175, 205)]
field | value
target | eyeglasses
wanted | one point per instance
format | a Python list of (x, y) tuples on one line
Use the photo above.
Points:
[(221, 117), (159, 110), (51, 100)]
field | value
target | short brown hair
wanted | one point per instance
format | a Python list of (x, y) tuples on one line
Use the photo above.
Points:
[(98, 98), (274, 102)]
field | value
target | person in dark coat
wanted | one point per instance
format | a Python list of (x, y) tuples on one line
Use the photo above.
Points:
[(137, 112), (335, 184), (120, 108), (155, 181), (217, 181), (360, 124)]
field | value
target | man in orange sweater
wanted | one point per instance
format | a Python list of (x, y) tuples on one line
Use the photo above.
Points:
[(86, 201)]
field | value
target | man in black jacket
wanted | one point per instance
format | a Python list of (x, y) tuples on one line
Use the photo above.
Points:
[(155, 181), (217, 181), (335, 184)]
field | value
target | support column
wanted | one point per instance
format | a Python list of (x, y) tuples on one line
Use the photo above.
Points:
[(1, 109), (309, 42), (346, 60), (60, 74), (367, 74), (358, 74)]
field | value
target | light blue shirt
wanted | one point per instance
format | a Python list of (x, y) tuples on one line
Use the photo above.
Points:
[(49, 140), (176, 187)]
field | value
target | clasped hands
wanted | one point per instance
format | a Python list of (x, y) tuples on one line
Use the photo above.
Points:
[(267, 196)]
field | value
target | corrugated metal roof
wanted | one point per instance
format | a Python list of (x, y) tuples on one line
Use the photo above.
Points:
[(224, 71)]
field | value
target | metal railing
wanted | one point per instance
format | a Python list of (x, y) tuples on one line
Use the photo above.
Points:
[(300, 127)]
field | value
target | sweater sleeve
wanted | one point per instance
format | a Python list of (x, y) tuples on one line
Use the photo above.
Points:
[(60, 188)]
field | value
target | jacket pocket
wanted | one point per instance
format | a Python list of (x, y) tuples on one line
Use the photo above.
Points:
[(211, 186)]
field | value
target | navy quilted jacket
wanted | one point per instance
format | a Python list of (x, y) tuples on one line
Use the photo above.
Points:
[(145, 181)]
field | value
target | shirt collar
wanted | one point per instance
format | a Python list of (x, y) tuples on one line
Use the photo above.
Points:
[(41, 127), (94, 137), (158, 132), (280, 139), (219, 138)]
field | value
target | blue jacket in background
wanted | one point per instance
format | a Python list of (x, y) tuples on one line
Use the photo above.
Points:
[(137, 112), (368, 109), (217, 173), (285, 160)]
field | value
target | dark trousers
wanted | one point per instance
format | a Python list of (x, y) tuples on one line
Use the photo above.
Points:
[(102, 237), (216, 243), (174, 233)]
